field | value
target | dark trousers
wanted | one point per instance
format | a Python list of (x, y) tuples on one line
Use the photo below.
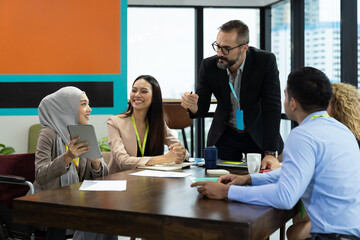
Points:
[(332, 236), (233, 144), (55, 234)]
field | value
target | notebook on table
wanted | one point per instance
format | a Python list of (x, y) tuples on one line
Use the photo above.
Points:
[(168, 166), (230, 163), (220, 163)]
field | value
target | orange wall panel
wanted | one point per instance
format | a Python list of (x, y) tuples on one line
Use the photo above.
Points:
[(60, 37)]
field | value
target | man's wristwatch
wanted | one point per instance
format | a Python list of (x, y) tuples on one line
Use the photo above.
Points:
[(272, 153)]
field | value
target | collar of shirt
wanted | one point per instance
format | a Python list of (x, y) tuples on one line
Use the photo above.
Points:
[(312, 114)]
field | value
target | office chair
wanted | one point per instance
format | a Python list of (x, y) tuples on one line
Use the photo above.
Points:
[(16, 170), (106, 156), (33, 137), (176, 117)]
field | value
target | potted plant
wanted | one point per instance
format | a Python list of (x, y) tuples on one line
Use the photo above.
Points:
[(6, 150), (103, 144)]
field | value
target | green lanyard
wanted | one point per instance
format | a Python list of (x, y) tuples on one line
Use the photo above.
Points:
[(142, 148), (316, 116), (75, 160), (302, 204)]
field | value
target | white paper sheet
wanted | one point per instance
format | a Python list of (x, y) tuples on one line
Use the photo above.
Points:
[(151, 173), (103, 185)]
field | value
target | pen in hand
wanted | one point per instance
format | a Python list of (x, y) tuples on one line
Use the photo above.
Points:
[(188, 110)]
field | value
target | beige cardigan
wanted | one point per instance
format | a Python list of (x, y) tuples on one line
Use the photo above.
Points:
[(123, 144), (49, 167)]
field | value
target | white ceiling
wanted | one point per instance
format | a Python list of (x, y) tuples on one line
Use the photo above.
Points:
[(215, 3)]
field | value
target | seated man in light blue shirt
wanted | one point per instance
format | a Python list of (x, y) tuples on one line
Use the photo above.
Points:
[(321, 165)]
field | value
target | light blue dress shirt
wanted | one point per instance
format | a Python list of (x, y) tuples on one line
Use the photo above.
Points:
[(322, 167)]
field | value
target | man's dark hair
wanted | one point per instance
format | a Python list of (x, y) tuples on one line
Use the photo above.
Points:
[(310, 87), (241, 28)]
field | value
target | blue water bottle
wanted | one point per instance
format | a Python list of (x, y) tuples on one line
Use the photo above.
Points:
[(210, 156)]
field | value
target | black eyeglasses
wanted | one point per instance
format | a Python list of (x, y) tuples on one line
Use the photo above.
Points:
[(224, 50)]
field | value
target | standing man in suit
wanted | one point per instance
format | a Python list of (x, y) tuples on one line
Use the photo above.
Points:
[(245, 82)]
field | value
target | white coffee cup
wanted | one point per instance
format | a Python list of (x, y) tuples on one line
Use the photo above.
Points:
[(253, 162)]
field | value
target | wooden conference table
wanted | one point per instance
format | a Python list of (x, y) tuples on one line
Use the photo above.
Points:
[(151, 208)]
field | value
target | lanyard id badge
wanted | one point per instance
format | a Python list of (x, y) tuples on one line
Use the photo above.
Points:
[(316, 116), (239, 112), (239, 119), (142, 148)]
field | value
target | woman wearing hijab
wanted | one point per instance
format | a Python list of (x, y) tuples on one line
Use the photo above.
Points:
[(137, 137), (56, 159)]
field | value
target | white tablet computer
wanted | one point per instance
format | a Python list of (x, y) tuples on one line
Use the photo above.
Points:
[(87, 134)]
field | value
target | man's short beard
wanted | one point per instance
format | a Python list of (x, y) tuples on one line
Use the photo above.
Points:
[(222, 65), (229, 63)]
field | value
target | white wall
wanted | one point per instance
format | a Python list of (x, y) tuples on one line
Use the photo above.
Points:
[(14, 130)]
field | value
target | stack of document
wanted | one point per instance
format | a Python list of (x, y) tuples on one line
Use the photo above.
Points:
[(168, 166)]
